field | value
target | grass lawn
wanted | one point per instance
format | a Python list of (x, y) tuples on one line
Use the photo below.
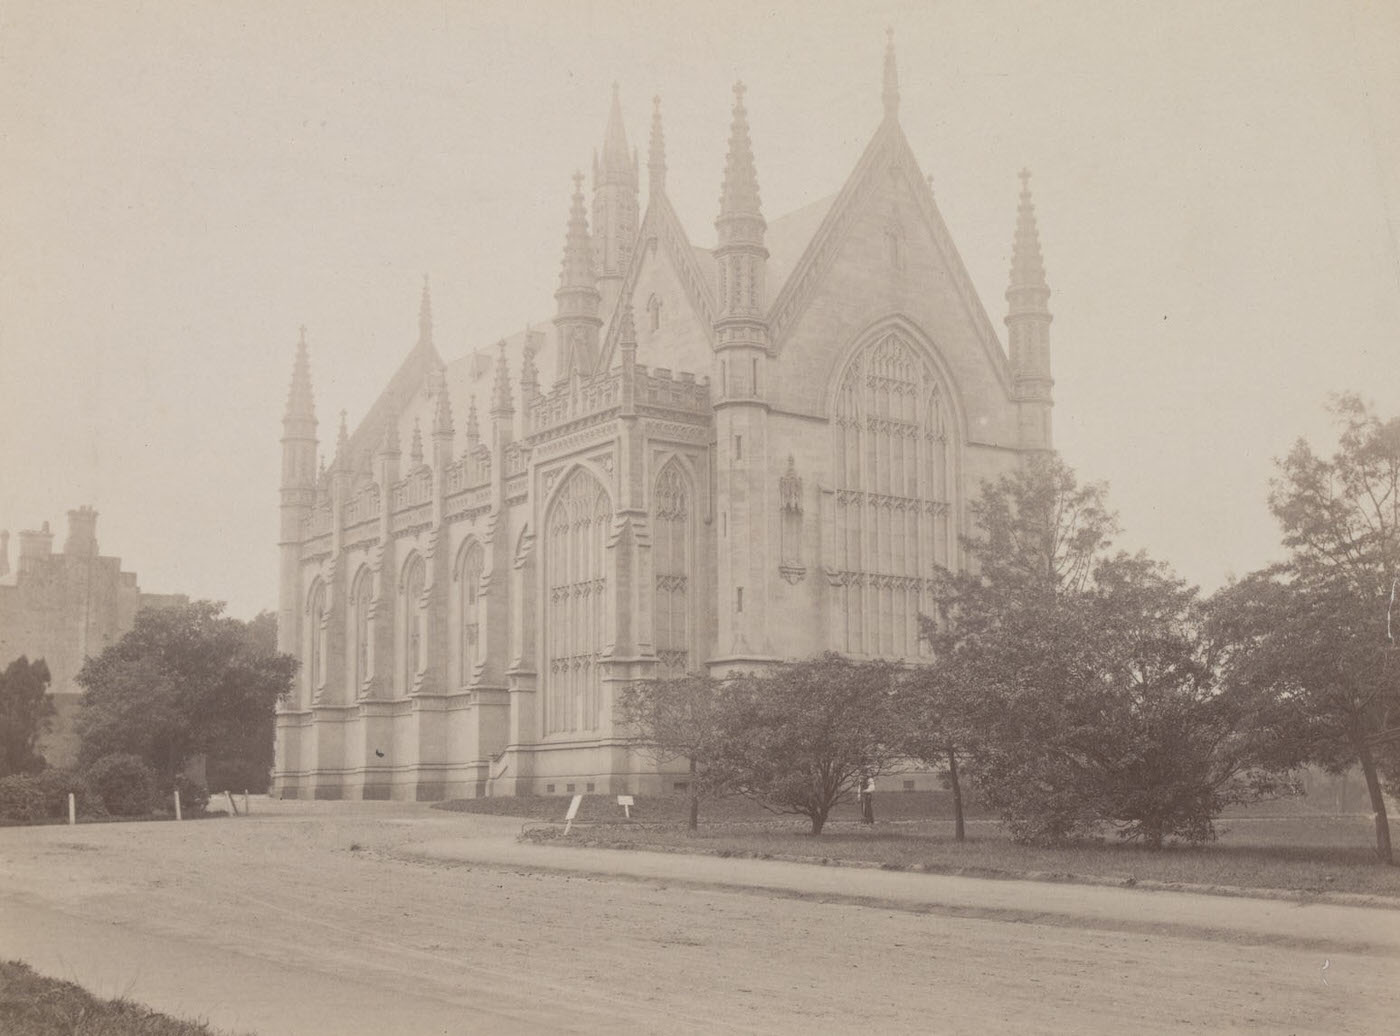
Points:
[(37, 1006), (1287, 846)]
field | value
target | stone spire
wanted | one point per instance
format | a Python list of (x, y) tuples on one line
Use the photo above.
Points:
[(415, 451), (442, 413), (740, 218), (577, 317), (299, 428), (501, 403), (1028, 324), (740, 256), (425, 315), (656, 153), (473, 425), (615, 206), (890, 93)]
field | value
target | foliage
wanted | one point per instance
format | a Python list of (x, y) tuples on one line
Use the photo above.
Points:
[(182, 681), (44, 795), (675, 719), (124, 783), (1317, 633), (40, 1006), (25, 711), (194, 797), (802, 736), (1081, 682)]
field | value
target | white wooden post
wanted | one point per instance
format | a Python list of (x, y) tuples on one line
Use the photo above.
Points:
[(72, 809), (231, 807), (177, 805), (245, 802), (573, 812)]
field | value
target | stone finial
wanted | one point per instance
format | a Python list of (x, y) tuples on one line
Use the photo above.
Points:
[(890, 94), (1027, 263), (442, 414), (415, 451), (301, 406), (501, 402), (473, 425), (342, 439), (656, 153), (617, 156), (425, 315), (740, 215), (577, 268), (529, 373)]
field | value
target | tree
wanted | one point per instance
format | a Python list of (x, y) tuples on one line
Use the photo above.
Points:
[(25, 711), (801, 737), (1318, 632), (1081, 681), (675, 719), (181, 681), (926, 703)]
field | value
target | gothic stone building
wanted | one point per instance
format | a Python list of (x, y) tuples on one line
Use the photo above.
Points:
[(717, 458), (63, 607)]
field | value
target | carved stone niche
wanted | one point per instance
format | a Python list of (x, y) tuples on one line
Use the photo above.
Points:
[(790, 566)]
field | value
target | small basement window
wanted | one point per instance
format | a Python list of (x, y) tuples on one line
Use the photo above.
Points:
[(549, 789), (568, 789), (908, 785), (681, 786), (588, 786)]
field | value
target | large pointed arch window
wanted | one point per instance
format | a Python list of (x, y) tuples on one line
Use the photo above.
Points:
[(893, 497), (576, 535), (411, 622), (468, 623), (672, 554), (361, 592)]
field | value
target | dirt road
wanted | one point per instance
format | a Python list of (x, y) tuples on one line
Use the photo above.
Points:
[(310, 918)]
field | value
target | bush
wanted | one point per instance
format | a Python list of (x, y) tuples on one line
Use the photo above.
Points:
[(54, 788), (124, 783), (20, 798)]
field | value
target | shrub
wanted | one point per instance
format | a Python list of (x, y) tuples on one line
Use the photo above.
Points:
[(20, 798), (54, 788), (124, 783)]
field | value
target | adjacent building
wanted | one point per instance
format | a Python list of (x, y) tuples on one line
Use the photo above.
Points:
[(63, 607), (713, 457)]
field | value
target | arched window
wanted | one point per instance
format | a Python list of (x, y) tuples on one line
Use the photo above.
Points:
[(672, 554), (316, 642), (468, 623), (361, 592), (654, 313), (411, 623), (893, 490), (576, 535)]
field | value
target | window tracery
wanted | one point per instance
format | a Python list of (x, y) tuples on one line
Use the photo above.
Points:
[(672, 561), (576, 533)]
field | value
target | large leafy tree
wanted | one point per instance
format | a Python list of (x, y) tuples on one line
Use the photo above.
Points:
[(800, 737), (25, 711), (1319, 631), (1080, 680), (675, 719), (182, 681)]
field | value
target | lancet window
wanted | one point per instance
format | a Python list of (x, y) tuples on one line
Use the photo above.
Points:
[(361, 593), (673, 554), (468, 620), (576, 532), (316, 641), (893, 488), (411, 621)]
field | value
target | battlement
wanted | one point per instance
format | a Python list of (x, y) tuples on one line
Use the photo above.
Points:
[(617, 390)]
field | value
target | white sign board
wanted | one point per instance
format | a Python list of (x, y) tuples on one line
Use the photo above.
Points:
[(573, 812), (626, 802)]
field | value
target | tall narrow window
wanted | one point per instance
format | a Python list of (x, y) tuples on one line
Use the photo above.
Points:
[(576, 532), (411, 612), (468, 622), (316, 642), (893, 487), (672, 554), (360, 594)]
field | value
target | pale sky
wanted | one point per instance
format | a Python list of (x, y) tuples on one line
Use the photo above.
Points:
[(183, 185)]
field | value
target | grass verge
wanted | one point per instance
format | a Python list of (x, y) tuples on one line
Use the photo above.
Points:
[(33, 1005), (1289, 847)]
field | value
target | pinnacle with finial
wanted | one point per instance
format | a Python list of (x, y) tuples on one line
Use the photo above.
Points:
[(500, 391), (577, 269), (617, 156), (739, 197), (415, 452), (529, 373), (442, 414), (342, 441), (627, 330), (300, 402), (656, 152), (473, 425), (390, 445), (1027, 263), (425, 315), (891, 90)]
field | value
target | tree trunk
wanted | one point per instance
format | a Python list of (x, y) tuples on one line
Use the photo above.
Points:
[(959, 830), (693, 822), (818, 822), (1373, 785)]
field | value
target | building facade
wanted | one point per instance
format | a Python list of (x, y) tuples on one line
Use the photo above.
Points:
[(715, 459), (63, 607)]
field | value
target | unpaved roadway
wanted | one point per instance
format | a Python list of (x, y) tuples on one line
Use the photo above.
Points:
[(350, 918)]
